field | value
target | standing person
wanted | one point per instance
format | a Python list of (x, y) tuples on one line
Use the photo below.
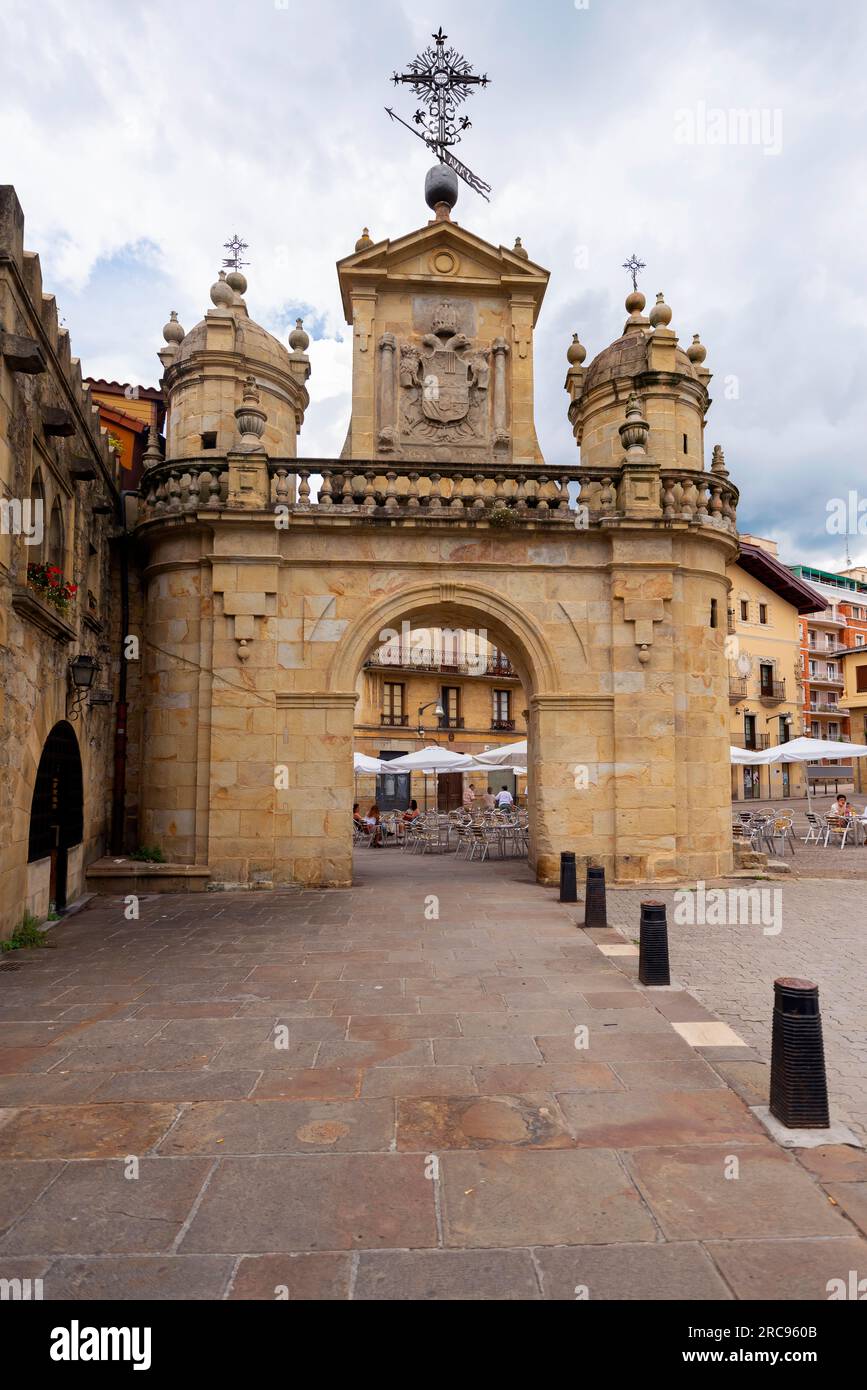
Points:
[(469, 796), (488, 800), (504, 798)]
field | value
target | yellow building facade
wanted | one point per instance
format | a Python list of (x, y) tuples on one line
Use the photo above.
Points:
[(765, 666)]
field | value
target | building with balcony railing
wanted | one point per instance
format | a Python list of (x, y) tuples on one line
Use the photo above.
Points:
[(765, 663), (825, 636)]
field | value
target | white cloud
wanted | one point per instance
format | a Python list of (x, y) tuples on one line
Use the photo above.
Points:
[(140, 137)]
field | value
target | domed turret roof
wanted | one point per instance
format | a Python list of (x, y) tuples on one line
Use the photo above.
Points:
[(252, 341), (627, 355)]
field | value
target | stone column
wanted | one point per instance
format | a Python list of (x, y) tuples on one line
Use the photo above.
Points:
[(569, 783), (499, 348), (313, 822), (387, 433)]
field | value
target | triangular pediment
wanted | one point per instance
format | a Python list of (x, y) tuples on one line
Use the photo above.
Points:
[(439, 256)]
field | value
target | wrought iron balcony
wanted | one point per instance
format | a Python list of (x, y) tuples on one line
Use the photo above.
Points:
[(772, 692), (430, 659), (737, 689), (506, 726), (453, 722), (399, 720), (757, 742)]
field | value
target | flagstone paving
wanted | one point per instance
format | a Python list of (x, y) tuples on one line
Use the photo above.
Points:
[(433, 1086)]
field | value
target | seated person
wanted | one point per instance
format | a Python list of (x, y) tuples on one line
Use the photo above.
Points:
[(412, 811), (840, 806), (357, 820), (373, 821)]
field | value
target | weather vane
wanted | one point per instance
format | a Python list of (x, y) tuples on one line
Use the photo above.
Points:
[(442, 79), (234, 247), (634, 265)]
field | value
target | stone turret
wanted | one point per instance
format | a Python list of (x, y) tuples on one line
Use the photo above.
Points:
[(206, 372), (671, 383)]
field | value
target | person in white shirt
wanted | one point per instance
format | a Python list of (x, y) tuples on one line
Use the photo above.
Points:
[(504, 797), (469, 796)]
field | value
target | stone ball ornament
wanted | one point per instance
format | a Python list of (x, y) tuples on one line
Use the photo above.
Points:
[(660, 314), (299, 341), (440, 186), (222, 294), (576, 352), (172, 331)]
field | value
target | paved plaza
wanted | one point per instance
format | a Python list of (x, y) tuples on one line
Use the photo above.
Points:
[(377, 1094)]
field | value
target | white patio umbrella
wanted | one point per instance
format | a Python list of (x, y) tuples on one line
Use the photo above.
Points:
[(431, 759), (801, 750), (508, 755), (361, 762)]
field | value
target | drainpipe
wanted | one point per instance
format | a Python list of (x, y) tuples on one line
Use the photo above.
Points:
[(118, 796)]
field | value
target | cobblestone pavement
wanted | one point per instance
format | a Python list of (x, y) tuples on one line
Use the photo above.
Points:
[(731, 970), (377, 1094)]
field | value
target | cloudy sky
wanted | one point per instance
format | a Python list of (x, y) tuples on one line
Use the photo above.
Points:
[(140, 136)]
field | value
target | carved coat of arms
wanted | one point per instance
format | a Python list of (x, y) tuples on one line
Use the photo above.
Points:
[(445, 376)]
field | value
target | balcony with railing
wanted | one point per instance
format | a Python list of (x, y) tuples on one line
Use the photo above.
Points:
[(444, 661), (757, 743), (399, 721), (772, 692), (453, 721), (826, 707), (503, 726), (737, 689), (820, 678)]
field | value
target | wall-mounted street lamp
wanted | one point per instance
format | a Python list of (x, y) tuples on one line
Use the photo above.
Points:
[(437, 709), (82, 673)]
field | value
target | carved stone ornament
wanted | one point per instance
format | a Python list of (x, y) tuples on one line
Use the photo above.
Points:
[(444, 383)]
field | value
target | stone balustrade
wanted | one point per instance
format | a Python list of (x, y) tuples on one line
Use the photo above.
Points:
[(684, 495), (408, 490), (191, 485), (403, 490)]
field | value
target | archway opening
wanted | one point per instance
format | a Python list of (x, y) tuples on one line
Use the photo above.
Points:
[(57, 808), (457, 673)]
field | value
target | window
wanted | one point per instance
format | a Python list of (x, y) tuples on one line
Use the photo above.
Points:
[(763, 612), (814, 666), (750, 731), (501, 715), (766, 678), (685, 445), (56, 538), (392, 703), (861, 678), (36, 553), (745, 610), (713, 612), (451, 703), (209, 439)]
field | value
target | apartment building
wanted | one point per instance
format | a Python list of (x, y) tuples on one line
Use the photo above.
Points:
[(825, 635)]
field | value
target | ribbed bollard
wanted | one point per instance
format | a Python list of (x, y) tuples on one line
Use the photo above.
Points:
[(568, 881), (653, 966), (799, 1089), (595, 914)]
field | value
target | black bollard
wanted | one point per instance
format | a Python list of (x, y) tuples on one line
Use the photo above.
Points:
[(799, 1089), (653, 966), (595, 914), (568, 881)]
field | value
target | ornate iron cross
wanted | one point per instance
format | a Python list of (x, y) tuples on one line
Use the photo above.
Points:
[(634, 265), (234, 247), (442, 79)]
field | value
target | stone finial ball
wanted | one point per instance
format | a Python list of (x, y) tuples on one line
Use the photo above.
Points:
[(441, 186), (696, 352), (237, 281), (299, 341), (222, 294), (576, 352), (172, 331), (364, 240), (635, 302), (660, 314)]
